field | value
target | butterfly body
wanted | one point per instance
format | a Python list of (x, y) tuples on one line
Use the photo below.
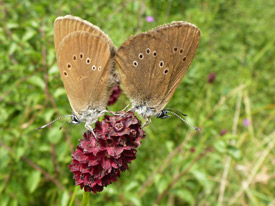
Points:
[(90, 115), (145, 111)]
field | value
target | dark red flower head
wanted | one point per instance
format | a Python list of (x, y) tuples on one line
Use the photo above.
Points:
[(98, 161), (116, 91), (223, 132), (211, 77)]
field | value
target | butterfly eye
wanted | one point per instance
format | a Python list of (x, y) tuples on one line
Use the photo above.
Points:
[(69, 66), (135, 63), (93, 67), (184, 59), (74, 57), (140, 56), (165, 71), (99, 68), (154, 53), (181, 51), (161, 63), (81, 56), (148, 51), (175, 49), (88, 61)]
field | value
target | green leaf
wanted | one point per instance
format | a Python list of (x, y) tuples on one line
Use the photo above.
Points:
[(185, 195), (131, 185), (12, 48), (201, 176), (53, 70), (161, 185), (135, 200), (169, 145), (12, 25), (4, 114), (58, 92), (4, 199), (65, 198), (54, 135), (37, 81), (28, 35), (234, 152), (220, 146), (48, 115), (19, 152), (33, 181)]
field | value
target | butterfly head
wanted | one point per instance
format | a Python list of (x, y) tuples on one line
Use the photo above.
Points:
[(75, 120), (163, 114)]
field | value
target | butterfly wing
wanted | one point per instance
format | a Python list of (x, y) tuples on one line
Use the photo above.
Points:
[(68, 24), (152, 64), (85, 64)]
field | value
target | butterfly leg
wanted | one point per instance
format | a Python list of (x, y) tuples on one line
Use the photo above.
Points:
[(108, 111), (88, 127), (125, 107), (148, 121)]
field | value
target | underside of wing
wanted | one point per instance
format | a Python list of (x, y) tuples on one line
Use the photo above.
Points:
[(142, 67), (68, 24), (152, 64), (85, 65)]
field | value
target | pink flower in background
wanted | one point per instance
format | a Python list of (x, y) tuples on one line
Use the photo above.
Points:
[(211, 77), (150, 19), (246, 122), (223, 132)]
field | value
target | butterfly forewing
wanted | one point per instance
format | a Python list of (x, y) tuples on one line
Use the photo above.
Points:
[(68, 24), (184, 40), (85, 65), (168, 51), (141, 62)]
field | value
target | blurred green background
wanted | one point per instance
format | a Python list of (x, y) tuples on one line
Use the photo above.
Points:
[(230, 162)]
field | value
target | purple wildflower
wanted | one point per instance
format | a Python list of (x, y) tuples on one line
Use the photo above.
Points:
[(223, 132), (246, 122), (150, 19), (211, 77)]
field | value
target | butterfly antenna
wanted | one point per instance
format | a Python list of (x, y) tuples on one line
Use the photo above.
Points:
[(177, 111), (69, 115), (184, 120)]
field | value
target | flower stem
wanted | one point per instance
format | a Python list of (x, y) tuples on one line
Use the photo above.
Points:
[(73, 196), (85, 200)]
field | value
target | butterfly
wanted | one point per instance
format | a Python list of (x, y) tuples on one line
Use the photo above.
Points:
[(152, 64), (85, 57)]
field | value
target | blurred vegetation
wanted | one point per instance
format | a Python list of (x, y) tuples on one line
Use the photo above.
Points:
[(175, 165)]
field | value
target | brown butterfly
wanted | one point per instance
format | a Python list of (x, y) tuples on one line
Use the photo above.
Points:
[(85, 56), (152, 64)]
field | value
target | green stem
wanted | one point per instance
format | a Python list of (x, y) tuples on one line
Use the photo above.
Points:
[(73, 196), (85, 200)]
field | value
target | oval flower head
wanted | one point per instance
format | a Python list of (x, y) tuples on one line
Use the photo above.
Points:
[(98, 161)]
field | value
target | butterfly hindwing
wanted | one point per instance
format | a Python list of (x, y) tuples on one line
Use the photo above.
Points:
[(85, 66)]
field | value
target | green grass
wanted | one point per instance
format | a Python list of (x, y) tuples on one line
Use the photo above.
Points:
[(175, 165)]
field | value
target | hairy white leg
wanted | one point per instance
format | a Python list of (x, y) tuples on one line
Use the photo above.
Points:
[(148, 121), (88, 127)]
